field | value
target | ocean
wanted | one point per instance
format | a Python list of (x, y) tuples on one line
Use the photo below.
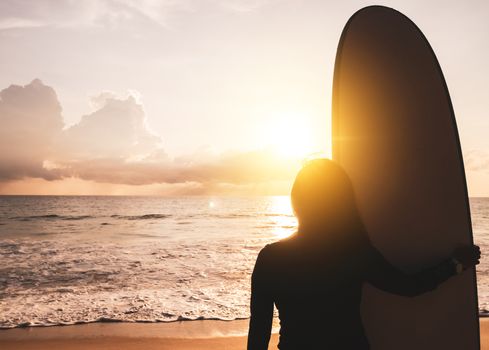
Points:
[(79, 259)]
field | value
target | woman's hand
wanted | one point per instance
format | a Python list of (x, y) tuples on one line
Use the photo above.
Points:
[(467, 255)]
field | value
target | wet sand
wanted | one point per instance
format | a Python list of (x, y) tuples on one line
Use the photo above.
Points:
[(175, 335), (187, 335)]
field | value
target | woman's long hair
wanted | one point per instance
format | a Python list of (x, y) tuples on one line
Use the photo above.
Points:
[(324, 203)]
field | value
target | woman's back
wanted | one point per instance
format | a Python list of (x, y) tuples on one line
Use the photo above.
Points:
[(317, 292)]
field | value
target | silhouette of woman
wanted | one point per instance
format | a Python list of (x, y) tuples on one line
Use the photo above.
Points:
[(315, 276)]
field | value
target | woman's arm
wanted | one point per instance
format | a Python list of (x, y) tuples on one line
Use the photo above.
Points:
[(385, 276), (261, 306)]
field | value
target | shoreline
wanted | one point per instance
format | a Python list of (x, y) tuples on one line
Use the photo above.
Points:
[(178, 335), (187, 329), (217, 321)]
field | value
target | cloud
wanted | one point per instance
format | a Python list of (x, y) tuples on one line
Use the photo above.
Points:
[(116, 130), (115, 145), (30, 119), (242, 6), (476, 160), (15, 14), (23, 14), (17, 23), (65, 13), (231, 168)]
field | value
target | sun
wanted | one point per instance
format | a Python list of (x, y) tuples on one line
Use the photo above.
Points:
[(289, 134)]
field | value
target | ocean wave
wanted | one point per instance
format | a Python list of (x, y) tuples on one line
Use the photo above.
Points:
[(166, 318), (276, 214), (84, 217), (141, 217), (151, 216), (51, 217), (483, 312), (228, 215), (56, 282)]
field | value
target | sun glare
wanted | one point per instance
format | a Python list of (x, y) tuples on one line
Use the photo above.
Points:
[(290, 134)]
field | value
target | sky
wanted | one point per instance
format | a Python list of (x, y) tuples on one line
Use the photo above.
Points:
[(177, 97)]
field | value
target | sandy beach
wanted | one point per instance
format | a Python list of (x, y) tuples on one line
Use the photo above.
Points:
[(176, 335), (206, 334)]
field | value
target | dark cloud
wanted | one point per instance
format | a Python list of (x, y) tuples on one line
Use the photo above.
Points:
[(30, 119)]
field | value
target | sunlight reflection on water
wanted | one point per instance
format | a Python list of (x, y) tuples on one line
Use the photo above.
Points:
[(285, 221)]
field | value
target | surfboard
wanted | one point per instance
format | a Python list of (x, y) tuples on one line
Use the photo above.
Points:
[(395, 134)]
